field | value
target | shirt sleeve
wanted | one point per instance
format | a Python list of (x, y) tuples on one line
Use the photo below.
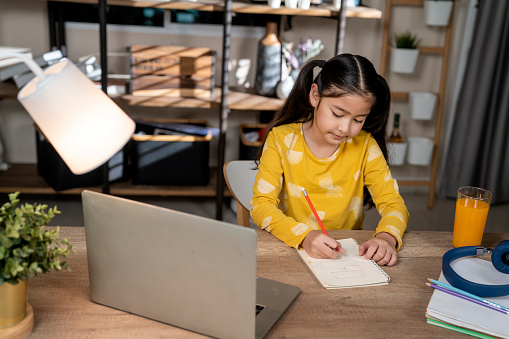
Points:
[(266, 190), (385, 193)]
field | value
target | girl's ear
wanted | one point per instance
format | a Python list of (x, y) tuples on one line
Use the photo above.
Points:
[(314, 96)]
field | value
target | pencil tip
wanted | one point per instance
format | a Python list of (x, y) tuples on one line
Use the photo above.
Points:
[(428, 284), (430, 279)]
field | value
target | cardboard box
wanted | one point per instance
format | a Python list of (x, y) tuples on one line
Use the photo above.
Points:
[(172, 71), (177, 159)]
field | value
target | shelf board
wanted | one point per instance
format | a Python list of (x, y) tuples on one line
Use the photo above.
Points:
[(25, 179), (426, 49), (236, 101), (243, 7), (408, 2)]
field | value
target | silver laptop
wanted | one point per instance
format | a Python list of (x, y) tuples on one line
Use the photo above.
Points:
[(188, 271)]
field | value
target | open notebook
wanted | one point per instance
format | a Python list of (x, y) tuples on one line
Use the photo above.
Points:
[(348, 270)]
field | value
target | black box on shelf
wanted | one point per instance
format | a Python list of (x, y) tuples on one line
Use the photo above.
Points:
[(172, 152), (57, 174), (247, 148)]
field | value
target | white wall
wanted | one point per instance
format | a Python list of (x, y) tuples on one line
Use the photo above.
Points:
[(25, 23)]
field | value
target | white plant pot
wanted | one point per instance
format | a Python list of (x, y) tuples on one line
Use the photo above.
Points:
[(403, 60), (291, 3), (420, 150), (304, 4), (397, 153), (274, 3), (422, 105), (437, 13)]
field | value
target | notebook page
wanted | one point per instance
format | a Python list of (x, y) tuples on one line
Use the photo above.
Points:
[(348, 270)]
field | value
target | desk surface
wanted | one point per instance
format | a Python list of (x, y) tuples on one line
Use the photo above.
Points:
[(63, 309)]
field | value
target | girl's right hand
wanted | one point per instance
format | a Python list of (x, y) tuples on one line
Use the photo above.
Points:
[(319, 245)]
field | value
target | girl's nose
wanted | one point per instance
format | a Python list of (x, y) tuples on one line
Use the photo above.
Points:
[(344, 126)]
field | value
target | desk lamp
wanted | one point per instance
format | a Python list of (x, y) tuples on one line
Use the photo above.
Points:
[(82, 123)]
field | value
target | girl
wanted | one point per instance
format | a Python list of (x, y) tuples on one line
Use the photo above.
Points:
[(329, 139)]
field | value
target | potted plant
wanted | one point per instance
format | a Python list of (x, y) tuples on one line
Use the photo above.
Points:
[(437, 12), (405, 54), (422, 105), (26, 249)]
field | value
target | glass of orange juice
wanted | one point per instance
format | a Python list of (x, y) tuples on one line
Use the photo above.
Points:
[(472, 205)]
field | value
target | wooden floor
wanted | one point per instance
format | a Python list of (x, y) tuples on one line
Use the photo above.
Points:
[(440, 218)]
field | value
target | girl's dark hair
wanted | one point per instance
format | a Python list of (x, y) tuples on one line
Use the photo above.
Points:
[(344, 74)]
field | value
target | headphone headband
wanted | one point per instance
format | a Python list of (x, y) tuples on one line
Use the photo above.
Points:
[(499, 258)]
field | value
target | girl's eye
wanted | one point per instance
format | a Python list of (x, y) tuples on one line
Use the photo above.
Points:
[(359, 121)]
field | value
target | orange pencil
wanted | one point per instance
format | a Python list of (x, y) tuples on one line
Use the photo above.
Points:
[(314, 211)]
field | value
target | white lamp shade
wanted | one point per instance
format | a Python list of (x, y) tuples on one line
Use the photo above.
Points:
[(81, 122)]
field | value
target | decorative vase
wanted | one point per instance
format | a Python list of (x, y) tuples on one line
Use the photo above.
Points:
[(422, 105), (420, 150), (403, 60), (437, 13), (268, 64), (284, 87), (13, 305)]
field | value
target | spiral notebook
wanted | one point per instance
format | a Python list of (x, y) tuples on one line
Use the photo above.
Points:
[(348, 270)]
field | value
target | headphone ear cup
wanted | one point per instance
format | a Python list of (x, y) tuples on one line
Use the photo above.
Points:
[(500, 257)]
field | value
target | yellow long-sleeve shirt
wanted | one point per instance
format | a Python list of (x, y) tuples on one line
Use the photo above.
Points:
[(334, 185)]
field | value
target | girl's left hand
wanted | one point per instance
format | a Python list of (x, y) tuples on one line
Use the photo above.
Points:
[(381, 249)]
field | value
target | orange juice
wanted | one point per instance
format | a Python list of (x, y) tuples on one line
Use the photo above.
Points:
[(469, 222)]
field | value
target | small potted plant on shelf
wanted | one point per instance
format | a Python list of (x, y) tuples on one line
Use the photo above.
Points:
[(26, 249), (437, 12), (405, 54)]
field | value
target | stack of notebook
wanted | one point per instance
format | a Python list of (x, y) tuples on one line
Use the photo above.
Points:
[(461, 315)]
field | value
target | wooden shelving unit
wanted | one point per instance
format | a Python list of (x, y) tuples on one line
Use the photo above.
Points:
[(24, 177), (442, 51)]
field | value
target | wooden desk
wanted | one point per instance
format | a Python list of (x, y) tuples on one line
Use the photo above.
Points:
[(63, 309)]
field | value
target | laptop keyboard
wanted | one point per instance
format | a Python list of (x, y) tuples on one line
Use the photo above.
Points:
[(259, 308)]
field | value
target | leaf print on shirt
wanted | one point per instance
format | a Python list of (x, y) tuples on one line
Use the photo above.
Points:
[(299, 229), (374, 152), (396, 214), (332, 191), (264, 186), (294, 190), (294, 157), (356, 206), (312, 219), (357, 175), (265, 225), (290, 140)]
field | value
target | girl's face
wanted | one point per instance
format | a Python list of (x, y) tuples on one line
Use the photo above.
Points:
[(337, 120)]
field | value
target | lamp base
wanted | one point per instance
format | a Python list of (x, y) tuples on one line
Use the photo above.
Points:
[(22, 329)]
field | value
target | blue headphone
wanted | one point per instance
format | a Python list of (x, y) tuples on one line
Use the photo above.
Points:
[(499, 259)]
